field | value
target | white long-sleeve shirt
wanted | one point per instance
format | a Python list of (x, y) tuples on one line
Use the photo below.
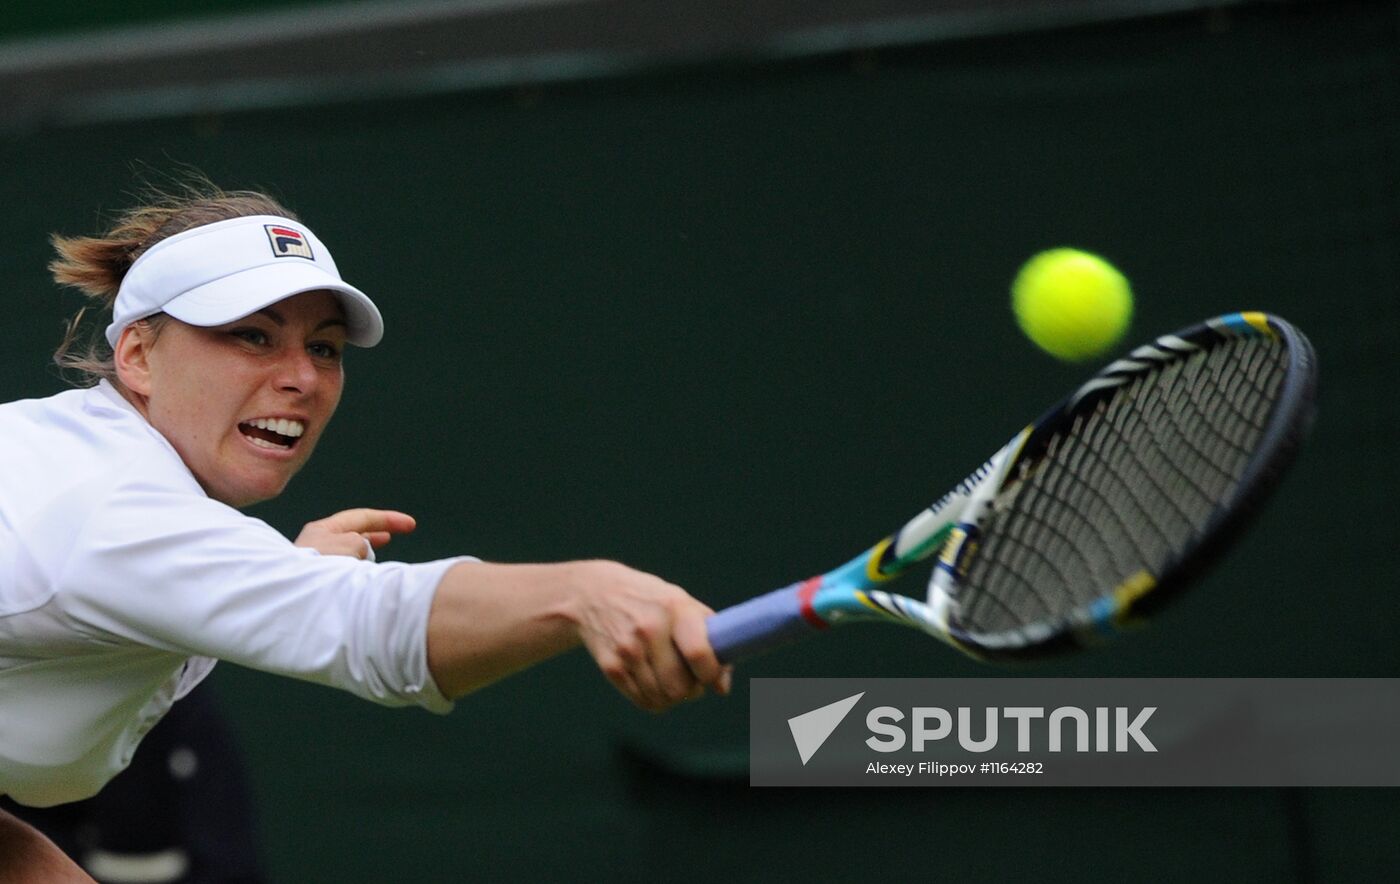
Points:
[(121, 582)]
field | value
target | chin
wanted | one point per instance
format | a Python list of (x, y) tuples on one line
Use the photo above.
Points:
[(249, 493)]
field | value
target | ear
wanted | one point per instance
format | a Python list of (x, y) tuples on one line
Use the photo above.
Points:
[(132, 356)]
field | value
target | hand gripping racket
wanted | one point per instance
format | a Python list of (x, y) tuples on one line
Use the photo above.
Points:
[(1088, 519)]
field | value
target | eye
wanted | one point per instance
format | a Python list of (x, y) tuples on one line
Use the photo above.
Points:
[(253, 336), (324, 350)]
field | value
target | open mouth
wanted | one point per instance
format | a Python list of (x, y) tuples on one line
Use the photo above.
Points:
[(274, 434)]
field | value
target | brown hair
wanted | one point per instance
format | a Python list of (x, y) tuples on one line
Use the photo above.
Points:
[(96, 265)]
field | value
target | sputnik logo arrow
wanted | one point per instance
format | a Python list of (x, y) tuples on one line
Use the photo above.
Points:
[(810, 729)]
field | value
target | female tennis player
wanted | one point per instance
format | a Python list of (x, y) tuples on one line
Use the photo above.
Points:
[(126, 568)]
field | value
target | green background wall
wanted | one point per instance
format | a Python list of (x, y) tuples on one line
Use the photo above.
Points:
[(20, 20), (723, 323)]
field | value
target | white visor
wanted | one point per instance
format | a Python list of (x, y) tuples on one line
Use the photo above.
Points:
[(224, 271)]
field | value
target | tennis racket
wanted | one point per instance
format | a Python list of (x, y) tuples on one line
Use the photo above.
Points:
[(1088, 519)]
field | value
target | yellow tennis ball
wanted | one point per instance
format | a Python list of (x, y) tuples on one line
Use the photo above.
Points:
[(1072, 304)]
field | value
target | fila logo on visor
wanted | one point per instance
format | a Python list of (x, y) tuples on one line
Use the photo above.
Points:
[(288, 243)]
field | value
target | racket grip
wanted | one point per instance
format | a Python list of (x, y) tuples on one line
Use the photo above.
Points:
[(758, 625)]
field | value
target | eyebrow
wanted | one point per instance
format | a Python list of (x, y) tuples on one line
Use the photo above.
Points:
[(279, 320)]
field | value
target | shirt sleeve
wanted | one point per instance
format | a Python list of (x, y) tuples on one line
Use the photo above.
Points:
[(178, 571)]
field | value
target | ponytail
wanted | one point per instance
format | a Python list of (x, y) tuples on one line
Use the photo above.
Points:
[(96, 265)]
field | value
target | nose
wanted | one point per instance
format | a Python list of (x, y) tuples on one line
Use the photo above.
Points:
[(296, 373)]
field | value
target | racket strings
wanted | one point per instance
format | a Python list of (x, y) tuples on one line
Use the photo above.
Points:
[(1043, 545), (1047, 523), (1124, 488)]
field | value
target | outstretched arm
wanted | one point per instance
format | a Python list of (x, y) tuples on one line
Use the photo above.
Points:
[(646, 635)]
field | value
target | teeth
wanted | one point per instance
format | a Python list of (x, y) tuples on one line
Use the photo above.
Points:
[(281, 426), (263, 443)]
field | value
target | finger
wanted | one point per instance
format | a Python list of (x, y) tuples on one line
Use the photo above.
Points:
[(364, 520), (649, 687), (669, 670), (377, 538), (692, 639), (621, 678), (634, 650)]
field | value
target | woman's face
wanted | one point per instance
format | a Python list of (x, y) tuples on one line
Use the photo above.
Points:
[(245, 403)]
